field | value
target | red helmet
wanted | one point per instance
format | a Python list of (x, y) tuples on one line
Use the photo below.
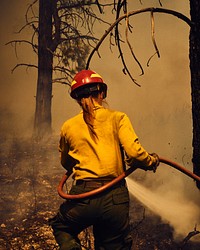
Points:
[(84, 82)]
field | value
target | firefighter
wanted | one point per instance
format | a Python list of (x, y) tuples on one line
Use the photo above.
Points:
[(94, 146)]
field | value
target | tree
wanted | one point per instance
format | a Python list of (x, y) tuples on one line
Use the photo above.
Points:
[(46, 47), (195, 81), (62, 37)]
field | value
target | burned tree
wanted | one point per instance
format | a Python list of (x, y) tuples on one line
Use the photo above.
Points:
[(46, 47), (195, 81), (59, 35), (62, 37)]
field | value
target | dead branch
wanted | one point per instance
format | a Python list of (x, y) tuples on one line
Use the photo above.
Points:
[(67, 23), (22, 41), (30, 8), (28, 24), (15, 42), (188, 237), (35, 47), (61, 80), (99, 7), (119, 19), (153, 34), (63, 70), (132, 53), (24, 64), (78, 5), (153, 39), (125, 70)]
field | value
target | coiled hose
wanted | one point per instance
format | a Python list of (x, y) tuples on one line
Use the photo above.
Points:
[(117, 179)]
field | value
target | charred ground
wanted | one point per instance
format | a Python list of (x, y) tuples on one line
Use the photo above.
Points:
[(29, 174)]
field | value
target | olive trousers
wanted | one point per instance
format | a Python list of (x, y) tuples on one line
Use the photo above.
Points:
[(107, 212)]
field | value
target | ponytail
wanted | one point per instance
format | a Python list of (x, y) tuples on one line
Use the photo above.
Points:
[(87, 105)]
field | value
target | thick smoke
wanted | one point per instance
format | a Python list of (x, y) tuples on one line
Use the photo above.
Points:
[(173, 207)]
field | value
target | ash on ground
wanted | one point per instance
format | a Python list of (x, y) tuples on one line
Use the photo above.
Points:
[(29, 175)]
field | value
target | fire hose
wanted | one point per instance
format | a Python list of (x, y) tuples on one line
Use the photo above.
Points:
[(118, 179)]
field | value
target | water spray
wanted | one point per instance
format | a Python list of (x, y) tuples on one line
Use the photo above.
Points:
[(118, 179)]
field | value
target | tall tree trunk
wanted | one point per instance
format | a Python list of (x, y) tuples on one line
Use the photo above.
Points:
[(195, 82), (42, 123)]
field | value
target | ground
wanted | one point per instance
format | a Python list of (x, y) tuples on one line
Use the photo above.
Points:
[(29, 175)]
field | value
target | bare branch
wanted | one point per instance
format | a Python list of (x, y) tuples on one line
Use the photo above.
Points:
[(35, 47), (153, 39), (24, 64), (29, 24), (125, 69), (160, 2), (15, 42), (189, 236), (153, 34), (151, 58), (22, 41), (118, 20), (99, 7), (61, 69), (30, 8), (78, 5), (61, 80), (132, 53)]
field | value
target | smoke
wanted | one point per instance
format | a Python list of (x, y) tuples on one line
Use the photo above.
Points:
[(158, 98), (173, 207), (17, 101)]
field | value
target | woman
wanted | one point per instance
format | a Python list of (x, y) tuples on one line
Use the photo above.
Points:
[(93, 145)]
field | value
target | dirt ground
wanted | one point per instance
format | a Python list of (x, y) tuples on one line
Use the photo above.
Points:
[(29, 175)]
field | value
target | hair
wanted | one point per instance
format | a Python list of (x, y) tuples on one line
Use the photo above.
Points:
[(87, 105), (86, 101)]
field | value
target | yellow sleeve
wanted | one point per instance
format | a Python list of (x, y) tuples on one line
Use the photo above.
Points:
[(136, 154)]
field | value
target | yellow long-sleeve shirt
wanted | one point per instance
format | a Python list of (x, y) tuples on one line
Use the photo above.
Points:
[(101, 159)]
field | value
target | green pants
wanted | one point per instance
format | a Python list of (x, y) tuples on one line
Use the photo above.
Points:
[(107, 212)]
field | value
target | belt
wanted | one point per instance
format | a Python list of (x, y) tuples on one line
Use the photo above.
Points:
[(97, 183)]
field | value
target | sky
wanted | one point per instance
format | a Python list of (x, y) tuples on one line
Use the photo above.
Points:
[(160, 110)]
